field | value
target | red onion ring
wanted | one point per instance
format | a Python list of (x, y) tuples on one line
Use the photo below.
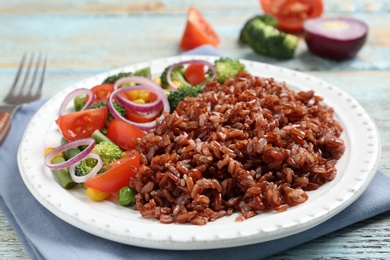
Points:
[(138, 80), (90, 142), (73, 94), (148, 107), (174, 66), (143, 126), (91, 174)]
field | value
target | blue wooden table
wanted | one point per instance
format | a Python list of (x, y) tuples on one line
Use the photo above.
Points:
[(83, 38)]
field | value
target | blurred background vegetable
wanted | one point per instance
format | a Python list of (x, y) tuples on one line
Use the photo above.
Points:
[(198, 31), (335, 38), (291, 14), (267, 19), (261, 35)]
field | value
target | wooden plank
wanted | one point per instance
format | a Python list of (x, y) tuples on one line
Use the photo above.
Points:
[(364, 240), (73, 42), (102, 41), (10, 245), (119, 6)]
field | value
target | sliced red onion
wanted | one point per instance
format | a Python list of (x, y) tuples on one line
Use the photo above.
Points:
[(75, 93), (143, 126), (138, 80), (174, 66), (90, 142), (91, 174), (148, 107)]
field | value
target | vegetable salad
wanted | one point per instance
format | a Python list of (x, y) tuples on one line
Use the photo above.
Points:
[(99, 136)]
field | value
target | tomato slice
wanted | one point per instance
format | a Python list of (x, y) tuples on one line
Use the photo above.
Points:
[(194, 73), (82, 124), (117, 175), (102, 92), (291, 14), (198, 31), (141, 117), (123, 134)]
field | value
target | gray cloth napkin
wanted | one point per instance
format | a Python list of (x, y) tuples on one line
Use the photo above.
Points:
[(46, 236)]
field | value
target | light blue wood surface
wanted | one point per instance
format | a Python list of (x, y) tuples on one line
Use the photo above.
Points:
[(84, 37)]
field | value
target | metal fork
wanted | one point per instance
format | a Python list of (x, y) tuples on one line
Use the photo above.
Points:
[(27, 87)]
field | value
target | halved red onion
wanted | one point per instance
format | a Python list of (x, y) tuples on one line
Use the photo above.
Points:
[(335, 38), (91, 174), (138, 80), (147, 107), (90, 142), (143, 126), (187, 62), (75, 93)]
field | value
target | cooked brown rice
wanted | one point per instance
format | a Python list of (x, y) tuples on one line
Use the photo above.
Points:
[(249, 145)]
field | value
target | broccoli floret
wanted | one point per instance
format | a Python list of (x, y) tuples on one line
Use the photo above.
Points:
[(174, 97), (266, 19), (144, 72), (98, 105), (112, 79), (227, 67), (118, 107), (176, 75), (109, 152), (269, 41), (85, 166)]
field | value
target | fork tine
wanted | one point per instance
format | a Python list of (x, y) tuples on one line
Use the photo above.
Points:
[(43, 75), (34, 76), (42, 70), (34, 71), (16, 79), (26, 74), (15, 100)]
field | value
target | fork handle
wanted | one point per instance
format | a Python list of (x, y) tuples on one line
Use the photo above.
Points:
[(5, 125)]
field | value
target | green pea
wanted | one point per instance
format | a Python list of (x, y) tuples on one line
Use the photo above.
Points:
[(126, 196)]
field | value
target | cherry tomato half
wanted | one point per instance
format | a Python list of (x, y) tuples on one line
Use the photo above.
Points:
[(194, 74), (141, 117), (291, 14), (198, 31), (102, 92), (117, 175), (82, 124), (123, 134)]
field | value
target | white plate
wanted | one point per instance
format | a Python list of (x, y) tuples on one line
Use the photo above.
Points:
[(110, 221)]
